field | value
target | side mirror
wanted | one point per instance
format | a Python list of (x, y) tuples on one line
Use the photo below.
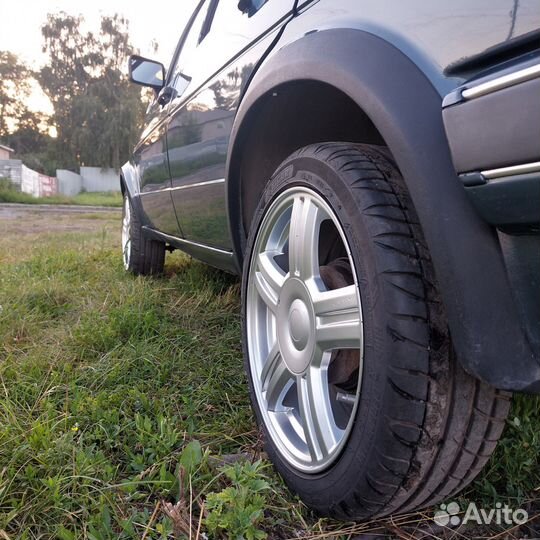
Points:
[(181, 82), (146, 72), (250, 7)]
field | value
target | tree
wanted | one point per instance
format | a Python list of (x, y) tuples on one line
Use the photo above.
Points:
[(32, 142), (30, 133), (24, 130), (15, 83), (97, 112), (226, 89)]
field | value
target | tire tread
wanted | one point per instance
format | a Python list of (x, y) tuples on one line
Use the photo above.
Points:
[(395, 208)]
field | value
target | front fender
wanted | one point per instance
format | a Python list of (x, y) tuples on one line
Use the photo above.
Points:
[(406, 109)]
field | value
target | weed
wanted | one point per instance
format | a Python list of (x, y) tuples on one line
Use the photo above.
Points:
[(238, 510)]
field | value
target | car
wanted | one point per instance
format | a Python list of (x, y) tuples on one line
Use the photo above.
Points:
[(372, 172)]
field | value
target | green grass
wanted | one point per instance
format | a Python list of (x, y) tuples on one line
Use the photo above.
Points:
[(120, 397), (98, 198), (106, 198)]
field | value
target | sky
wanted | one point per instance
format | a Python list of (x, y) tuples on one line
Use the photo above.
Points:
[(21, 22)]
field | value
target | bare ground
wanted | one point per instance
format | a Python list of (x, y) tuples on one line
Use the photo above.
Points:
[(24, 219), (25, 228)]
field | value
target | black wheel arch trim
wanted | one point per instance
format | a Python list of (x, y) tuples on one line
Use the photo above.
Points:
[(406, 109)]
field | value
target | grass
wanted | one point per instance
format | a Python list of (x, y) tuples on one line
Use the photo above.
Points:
[(124, 411), (106, 198)]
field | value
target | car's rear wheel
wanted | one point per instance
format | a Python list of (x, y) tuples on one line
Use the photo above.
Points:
[(363, 407), (140, 254)]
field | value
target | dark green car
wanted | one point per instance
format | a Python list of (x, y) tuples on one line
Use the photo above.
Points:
[(372, 170)]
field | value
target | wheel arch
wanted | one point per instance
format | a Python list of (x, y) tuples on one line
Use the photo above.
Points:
[(392, 102), (129, 180), (129, 183)]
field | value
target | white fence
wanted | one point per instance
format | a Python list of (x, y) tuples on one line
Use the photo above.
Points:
[(11, 168), (69, 183), (66, 182), (97, 179), (36, 184), (89, 179)]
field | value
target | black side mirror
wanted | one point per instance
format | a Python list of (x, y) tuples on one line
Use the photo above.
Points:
[(146, 72), (250, 7), (244, 6)]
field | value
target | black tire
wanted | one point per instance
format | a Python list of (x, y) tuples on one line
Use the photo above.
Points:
[(424, 428), (145, 256)]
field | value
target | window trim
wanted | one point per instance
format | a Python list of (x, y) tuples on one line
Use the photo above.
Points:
[(182, 41), (207, 24)]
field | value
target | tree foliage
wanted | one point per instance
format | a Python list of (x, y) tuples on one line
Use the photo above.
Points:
[(22, 129), (15, 83), (32, 142), (97, 112)]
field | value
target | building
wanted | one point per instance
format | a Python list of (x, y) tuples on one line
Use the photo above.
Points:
[(6, 152)]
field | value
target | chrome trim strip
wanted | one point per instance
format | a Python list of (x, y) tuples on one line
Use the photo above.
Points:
[(513, 170), (185, 242), (499, 83), (187, 186)]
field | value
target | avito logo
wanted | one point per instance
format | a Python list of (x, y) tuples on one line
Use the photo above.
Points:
[(449, 515)]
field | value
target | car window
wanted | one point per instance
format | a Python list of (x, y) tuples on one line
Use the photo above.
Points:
[(197, 30), (219, 30)]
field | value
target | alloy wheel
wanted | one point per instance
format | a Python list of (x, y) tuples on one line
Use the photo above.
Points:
[(126, 237), (304, 329)]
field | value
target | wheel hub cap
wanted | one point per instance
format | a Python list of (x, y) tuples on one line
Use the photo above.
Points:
[(296, 326), (299, 324)]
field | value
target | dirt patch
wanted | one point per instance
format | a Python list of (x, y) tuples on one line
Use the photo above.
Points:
[(22, 220)]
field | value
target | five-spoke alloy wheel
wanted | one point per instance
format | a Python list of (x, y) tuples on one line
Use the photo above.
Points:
[(297, 325), (126, 236)]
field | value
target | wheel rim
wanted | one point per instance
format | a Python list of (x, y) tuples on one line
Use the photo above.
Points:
[(126, 239), (299, 331)]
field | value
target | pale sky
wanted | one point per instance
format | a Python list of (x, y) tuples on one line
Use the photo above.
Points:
[(21, 22)]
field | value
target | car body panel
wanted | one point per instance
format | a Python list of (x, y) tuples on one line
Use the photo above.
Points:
[(436, 35), (491, 123), (198, 140)]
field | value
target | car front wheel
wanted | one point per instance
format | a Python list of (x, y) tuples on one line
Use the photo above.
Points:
[(363, 407)]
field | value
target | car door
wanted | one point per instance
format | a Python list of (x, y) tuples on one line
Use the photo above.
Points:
[(214, 65), (150, 157)]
